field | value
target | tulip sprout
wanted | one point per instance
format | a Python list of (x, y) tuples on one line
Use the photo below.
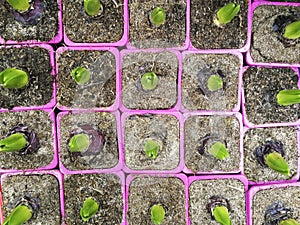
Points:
[(289, 222), (149, 81), (288, 97), (13, 78), (292, 30), (157, 214), (79, 143), (214, 83), (158, 16), (19, 5), (81, 75), (219, 151), (20, 215), (226, 14), (151, 149), (92, 7), (221, 215), (89, 209)]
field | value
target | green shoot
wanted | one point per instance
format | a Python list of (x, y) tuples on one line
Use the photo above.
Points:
[(157, 214), (20, 215), (81, 75), (219, 151), (149, 81), (79, 143), (226, 14), (151, 149), (158, 16), (89, 209), (288, 97), (289, 222), (292, 30), (221, 215), (277, 163), (13, 78), (214, 83), (19, 5), (92, 7), (12, 143)]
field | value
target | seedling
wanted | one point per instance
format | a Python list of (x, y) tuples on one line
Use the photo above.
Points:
[(21, 214), (276, 162), (157, 214), (79, 143), (289, 222), (89, 209), (149, 81), (92, 7), (151, 148), (292, 30), (19, 5), (226, 14), (214, 83), (278, 213), (81, 75), (158, 16), (288, 97), (12, 143), (219, 151), (218, 207), (221, 215), (13, 78)]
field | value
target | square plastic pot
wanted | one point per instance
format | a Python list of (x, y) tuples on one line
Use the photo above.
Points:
[(103, 86)]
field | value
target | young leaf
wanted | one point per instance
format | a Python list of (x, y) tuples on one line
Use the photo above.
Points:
[(288, 97), (14, 142), (289, 222), (221, 215), (21, 214), (158, 16), (149, 81), (13, 78), (292, 30), (79, 143), (151, 149), (81, 75), (157, 214), (276, 162), (92, 7), (227, 13), (214, 83), (19, 5), (219, 151), (89, 209)]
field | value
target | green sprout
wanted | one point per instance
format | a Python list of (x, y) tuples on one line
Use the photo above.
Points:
[(20, 215), (289, 222), (158, 16), (151, 149), (149, 81), (89, 209), (288, 97), (221, 215), (214, 83), (157, 214), (19, 5), (219, 151), (12, 143), (79, 143), (81, 75), (276, 162), (92, 7), (226, 14), (13, 78), (292, 30)]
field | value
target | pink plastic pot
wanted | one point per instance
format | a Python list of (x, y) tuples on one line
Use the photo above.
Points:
[(168, 155), (53, 162), (238, 163), (54, 40), (54, 173), (64, 168), (111, 50), (52, 102)]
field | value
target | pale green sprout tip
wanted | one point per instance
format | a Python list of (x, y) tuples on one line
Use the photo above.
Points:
[(20, 215), (289, 222), (89, 209), (12, 143), (219, 151), (92, 7), (81, 75), (292, 30), (214, 83), (277, 163), (79, 143), (13, 78), (19, 5), (157, 214), (226, 14), (288, 97), (151, 149), (221, 215), (149, 81), (158, 16)]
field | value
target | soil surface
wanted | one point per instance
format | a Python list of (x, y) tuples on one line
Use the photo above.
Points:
[(100, 91), (144, 34), (197, 69), (105, 189), (201, 190), (45, 29), (105, 28), (164, 65), (261, 86), (144, 192), (36, 63), (206, 35), (43, 188), (222, 128), (162, 128), (268, 44), (103, 122), (258, 137)]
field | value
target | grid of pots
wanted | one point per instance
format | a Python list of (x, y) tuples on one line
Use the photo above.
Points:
[(182, 116)]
